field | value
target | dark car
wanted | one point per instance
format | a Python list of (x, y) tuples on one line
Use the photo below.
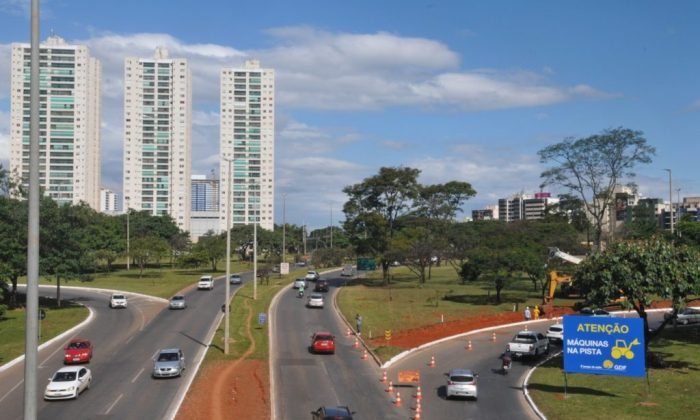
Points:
[(321, 286), (332, 413), (594, 312)]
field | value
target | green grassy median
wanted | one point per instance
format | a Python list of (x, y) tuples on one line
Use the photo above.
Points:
[(671, 393)]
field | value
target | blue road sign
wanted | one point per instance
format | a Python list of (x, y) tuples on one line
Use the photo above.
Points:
[(262, 317), (604, 345)]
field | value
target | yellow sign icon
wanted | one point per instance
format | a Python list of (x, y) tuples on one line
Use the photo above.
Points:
[(622, 349)]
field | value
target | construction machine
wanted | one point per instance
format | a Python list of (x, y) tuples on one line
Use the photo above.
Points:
[(555, 278)]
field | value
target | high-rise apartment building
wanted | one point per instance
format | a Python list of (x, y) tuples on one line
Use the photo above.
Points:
[(205, 193), (157, 136), (108, 201), (69, 120), (247, 145)]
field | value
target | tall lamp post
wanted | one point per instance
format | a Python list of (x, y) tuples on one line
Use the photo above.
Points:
[(227, 311), (670, 197), (284, 229)]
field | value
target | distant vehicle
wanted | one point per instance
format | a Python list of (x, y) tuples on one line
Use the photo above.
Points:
[(168, 363), (312, 276), (206, 282), (555, 333), (117, 301), (594, 312), (685, 316), (528, 343), (315, 301), (301, 264), (275, 268), (332, 413), (67, 383), (461, 383), (177, 302), (323, 342), (299, 283), (78, 350), (321, 286), (348, 271), (235, 279)]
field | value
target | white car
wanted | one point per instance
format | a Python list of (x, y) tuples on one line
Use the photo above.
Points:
[(235, 279), (68, 382), (177, 302), (312, 276), (685, 316), (205, 282), (555, 333), (117, 301), (461, 383), (315, 301)]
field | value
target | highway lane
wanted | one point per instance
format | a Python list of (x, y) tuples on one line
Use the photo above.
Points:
[(303, 381), (125, 343), (500, 396)]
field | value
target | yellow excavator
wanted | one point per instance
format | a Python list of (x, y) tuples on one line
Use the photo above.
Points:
[(555, 278)]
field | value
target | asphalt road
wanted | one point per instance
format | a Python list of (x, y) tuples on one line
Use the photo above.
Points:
[(125, 342), (304, 381)]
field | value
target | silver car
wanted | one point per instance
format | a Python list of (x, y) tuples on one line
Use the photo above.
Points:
[(685, 316), (168, 363), (315, 301), (461, 383), (235, 279), (177, 302)]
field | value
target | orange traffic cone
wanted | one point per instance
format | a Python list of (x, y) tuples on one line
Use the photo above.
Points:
[(469, 345), (397, 401), (364, 354), (525, 327), (391, 387), (383, 380), (419, 395), (357, 344), (348, 332), (432, 361), (418, 407), (493, 336), (417, 416)]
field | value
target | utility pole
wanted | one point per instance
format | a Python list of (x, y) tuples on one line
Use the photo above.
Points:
[(227, 310), (31, 341), (284, 228), (670, 198)]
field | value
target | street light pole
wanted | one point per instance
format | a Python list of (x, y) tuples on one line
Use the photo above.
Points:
[(228, 258), (128, 255), (670, 197), (284, 228)]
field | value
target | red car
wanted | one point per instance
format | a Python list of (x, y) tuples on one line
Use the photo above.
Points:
[(323, 342), (78, 350)]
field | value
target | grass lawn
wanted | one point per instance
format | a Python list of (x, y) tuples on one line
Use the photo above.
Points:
[(405, 304), (672, 392), (58, 320)]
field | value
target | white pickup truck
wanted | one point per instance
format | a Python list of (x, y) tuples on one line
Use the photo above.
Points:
[(528, 343)]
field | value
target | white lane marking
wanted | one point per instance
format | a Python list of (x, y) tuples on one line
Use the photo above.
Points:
[(137, 375), (129, 339), (41, 366), (114, 403), (143, 319), (12, 390)]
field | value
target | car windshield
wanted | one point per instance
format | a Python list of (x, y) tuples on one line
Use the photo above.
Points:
[(81, 345), (461, 378), (523, 338), (555, 329), (178, 298), (64, 376), (118, 297), (323, 337), (168, 357)]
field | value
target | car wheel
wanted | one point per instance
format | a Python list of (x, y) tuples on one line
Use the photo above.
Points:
[(684, 322)]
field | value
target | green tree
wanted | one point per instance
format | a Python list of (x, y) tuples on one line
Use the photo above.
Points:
[(443, 201), (688, 231), (212, 246), (416, 246), (148, 249), (641, 272), (591, 167), (13, 246)]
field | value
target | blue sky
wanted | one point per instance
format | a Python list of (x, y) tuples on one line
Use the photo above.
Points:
[(462, 90)]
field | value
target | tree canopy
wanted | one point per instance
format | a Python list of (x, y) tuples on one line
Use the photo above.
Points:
[(591, 167)]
